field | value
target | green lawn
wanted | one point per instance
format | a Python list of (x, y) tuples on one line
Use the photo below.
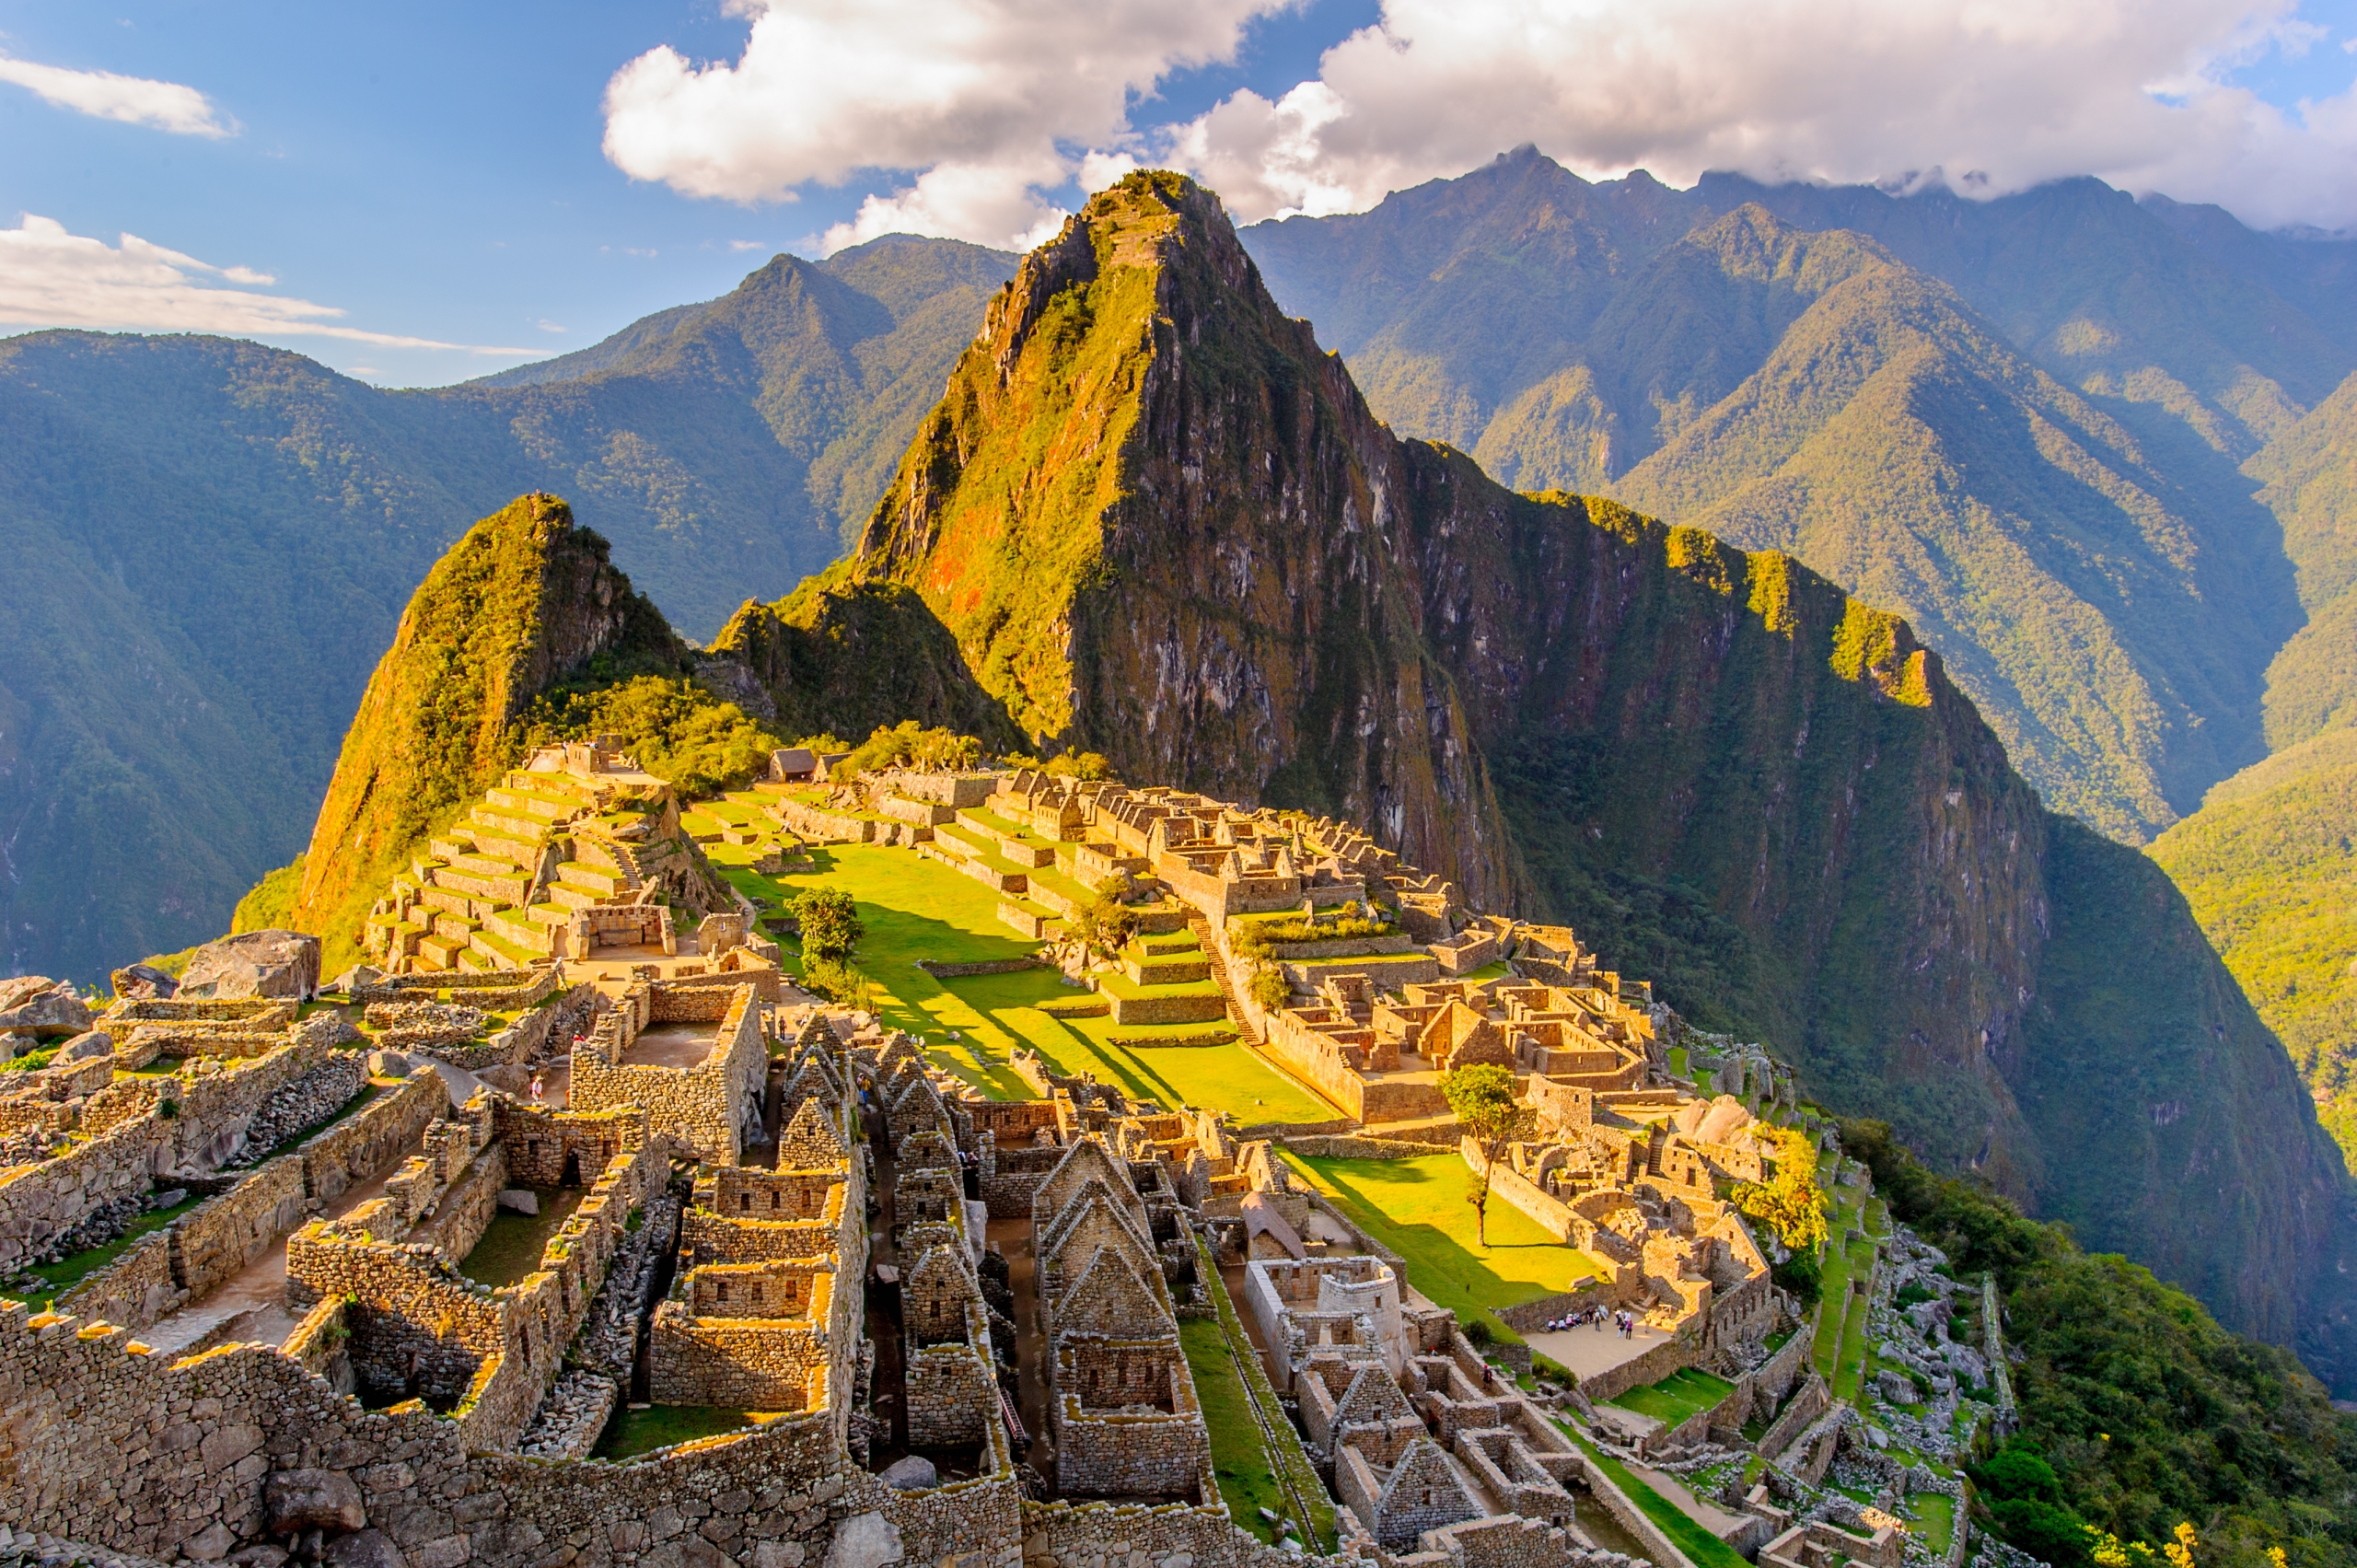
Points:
[(915, 907), (1937, 1526), (1677, 1397), (1417, 1208), (661, 1426), (511, 1247), (1247, 1484)]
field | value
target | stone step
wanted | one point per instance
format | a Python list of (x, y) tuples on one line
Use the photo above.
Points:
[(474, 962), (566, 897), (437, 951), (494, 820), (447, 901), (589, 878), (553, 914), (478, 862), (506, 952), (448, 848), (517, 849), (516, 927), (540, 805), (457, 928), (502, 890), (1166, 972)]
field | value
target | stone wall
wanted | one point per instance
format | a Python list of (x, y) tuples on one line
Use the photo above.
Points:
[(214, 1242), (194, 1438), (466, 1207), (133, 1291), (38, 1202), (706, 1107), (737, 1363), (370, 1140)]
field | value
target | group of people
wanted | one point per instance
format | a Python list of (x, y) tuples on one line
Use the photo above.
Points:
[(1623, 1323)]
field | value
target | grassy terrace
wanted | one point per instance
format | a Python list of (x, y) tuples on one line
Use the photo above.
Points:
[(1679, 1397), (76, 1267), (1418, 1208), (1703, 1549), (915, 907)]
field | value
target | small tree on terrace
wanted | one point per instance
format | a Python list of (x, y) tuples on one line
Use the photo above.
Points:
[(1487, 1111), (1789, 1203), (1105, 924), (829, 920)]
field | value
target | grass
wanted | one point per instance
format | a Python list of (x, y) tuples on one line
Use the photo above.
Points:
[(1417, 1208), (511, 1246), (1937, 1526), (1682, 1394), (915, 907), (76, 1267), (1703, 1549), (662, 1427), (1246, 1482)]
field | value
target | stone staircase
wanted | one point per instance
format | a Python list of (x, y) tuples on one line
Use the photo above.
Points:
[(491, 892), (1201, 927)]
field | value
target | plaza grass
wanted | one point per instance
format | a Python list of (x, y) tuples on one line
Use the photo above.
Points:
[(1681, 1395), (1418, 1208), (915, 907)]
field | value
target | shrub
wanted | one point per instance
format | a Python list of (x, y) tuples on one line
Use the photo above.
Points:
[(908, 745), (838, 982), (1479, 1332), (1269, 987), (1105, 924), (1800, 1275)]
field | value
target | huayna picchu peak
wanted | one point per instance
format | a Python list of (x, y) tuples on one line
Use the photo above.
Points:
[(1223, 990)]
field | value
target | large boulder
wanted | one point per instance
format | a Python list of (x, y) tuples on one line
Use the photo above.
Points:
[(37, 1005), (363, 1549), (259, 963), (143, 982), (295, 1501), (86, 1048)]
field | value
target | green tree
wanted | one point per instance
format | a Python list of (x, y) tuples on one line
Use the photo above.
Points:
[(1483, 1099), (1105, 924), (829, 920)]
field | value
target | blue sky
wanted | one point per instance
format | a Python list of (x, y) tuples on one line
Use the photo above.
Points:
[(436, 171)]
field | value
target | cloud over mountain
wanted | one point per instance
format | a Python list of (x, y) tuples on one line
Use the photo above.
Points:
[(991, 106), (49, 277)]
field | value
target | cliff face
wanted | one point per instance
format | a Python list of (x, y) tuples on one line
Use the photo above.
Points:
[(523, 601), (1159, 524)]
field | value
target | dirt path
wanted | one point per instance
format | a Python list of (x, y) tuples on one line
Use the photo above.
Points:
[(251, 1306)]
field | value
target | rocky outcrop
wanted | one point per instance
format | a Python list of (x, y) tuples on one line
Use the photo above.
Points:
[(1161, 524), (257, 963), (35, 1004)]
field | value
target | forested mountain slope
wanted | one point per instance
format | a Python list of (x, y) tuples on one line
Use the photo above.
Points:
[(1158, 523), (2037, 462), (209, 543)]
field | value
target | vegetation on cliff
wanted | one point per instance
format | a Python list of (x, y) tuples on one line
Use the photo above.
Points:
[(524, 602), (2148, 1414)]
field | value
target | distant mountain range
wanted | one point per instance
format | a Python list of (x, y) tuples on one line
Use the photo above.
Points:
[(2019, 423), (209, 543)]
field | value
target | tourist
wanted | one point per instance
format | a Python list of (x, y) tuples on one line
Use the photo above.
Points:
[(540, 1089)]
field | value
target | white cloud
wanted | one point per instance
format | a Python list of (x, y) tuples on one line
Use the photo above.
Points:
[(51, 278), (2001, 94), (135, 101), (990, 105), (985, 103)]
